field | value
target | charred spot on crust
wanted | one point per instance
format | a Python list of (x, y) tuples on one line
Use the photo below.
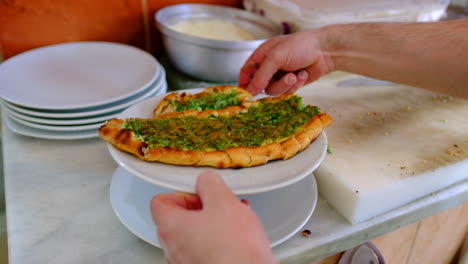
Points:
[(222, 165), (124, 136)]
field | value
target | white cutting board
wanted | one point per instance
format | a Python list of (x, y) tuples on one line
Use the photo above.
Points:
[(390, 144)]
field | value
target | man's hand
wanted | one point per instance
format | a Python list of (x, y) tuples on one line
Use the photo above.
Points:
[(284, 64), (211, 227)]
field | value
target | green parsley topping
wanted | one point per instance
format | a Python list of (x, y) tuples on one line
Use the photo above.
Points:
[(208, 102), (262, 124)]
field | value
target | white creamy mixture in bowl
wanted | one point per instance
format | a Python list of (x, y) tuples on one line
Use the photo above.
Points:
[(213, 29)]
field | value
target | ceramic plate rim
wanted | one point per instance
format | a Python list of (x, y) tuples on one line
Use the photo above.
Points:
[(233, 177), (105, 45)]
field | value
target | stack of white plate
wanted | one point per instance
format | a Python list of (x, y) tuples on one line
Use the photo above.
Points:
[(67, 91)]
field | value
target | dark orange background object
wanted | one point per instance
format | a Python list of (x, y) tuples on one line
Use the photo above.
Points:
[(28, 24)]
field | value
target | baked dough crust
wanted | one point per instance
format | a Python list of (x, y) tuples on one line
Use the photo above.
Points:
[(166, 105), (124, 139)]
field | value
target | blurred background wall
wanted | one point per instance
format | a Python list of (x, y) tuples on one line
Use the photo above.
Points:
[(28, 24)]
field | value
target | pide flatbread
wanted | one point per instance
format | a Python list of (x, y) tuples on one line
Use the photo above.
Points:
[(211, 98), (237, 136)]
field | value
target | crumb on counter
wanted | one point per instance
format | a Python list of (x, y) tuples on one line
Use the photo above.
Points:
[(306, 233), (452, 153)]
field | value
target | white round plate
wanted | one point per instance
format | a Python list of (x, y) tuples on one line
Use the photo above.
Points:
[(47, 134), (162, 88), (76, 75), (283, 212), (267, 177)]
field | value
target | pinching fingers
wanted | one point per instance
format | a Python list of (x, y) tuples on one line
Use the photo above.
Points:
[(167, 204), (302, 78), (285, 83), (246, 74), (263, 75), (213, 191)]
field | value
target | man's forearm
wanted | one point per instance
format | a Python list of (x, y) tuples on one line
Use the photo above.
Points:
[(428, 55)]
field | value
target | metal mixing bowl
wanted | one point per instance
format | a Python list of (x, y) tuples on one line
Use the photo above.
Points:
[(211, 59)]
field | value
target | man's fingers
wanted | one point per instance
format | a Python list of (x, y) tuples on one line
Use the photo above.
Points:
[(282, 85), (256, 59), (251, 65), (160, 209), (262, 52), (213, 191), (246, 74), (183, 200), (168, 203), (263, 75), (302, 78), (317, 70)]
